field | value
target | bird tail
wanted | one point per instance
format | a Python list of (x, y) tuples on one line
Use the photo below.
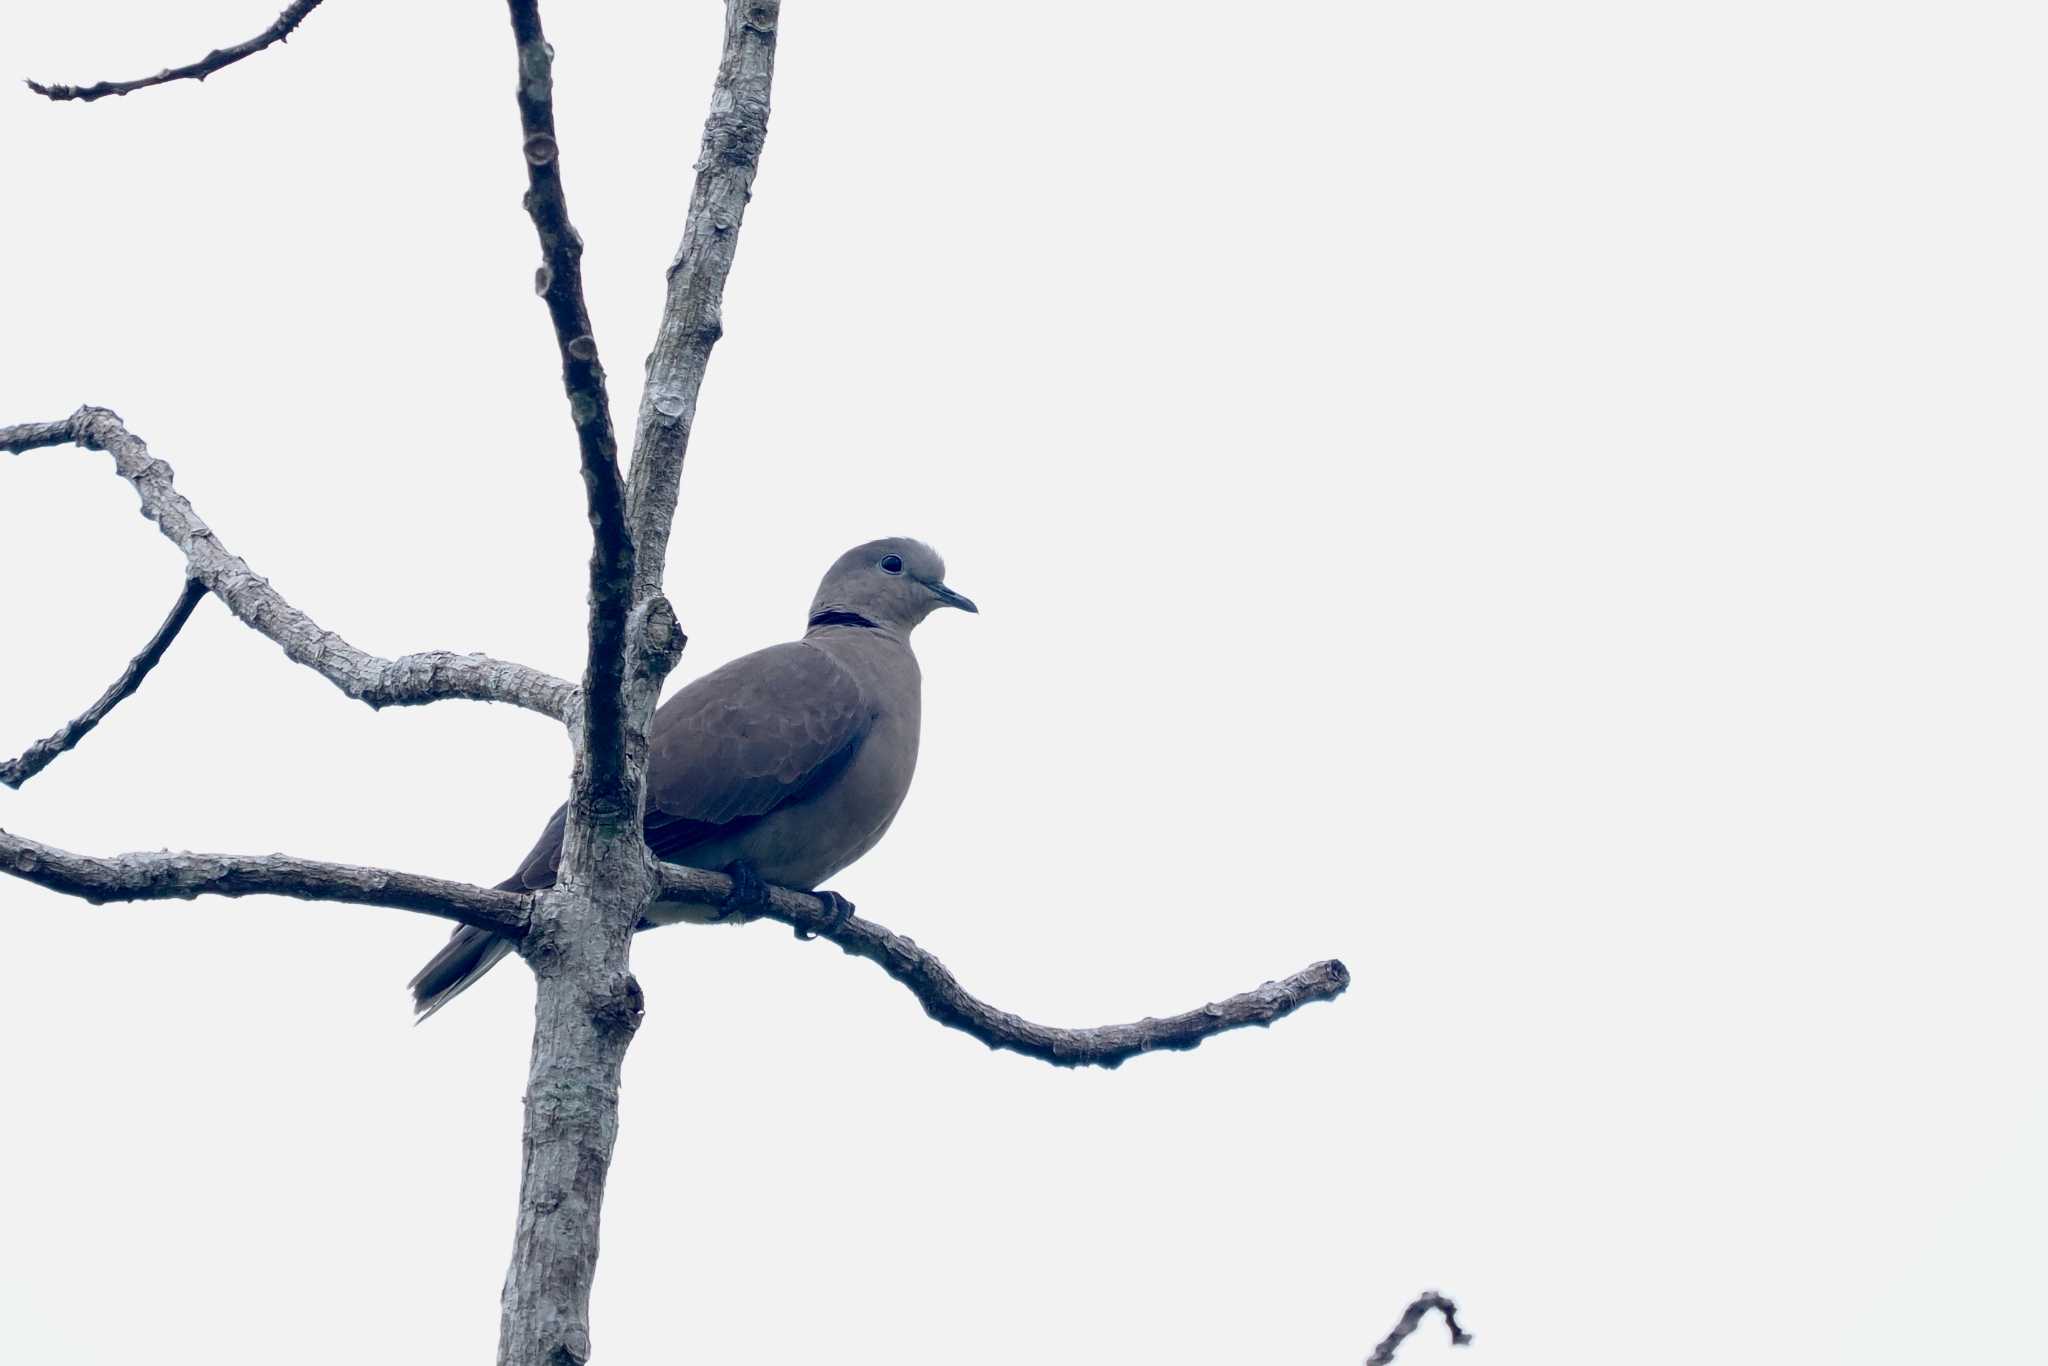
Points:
[(468, 955)]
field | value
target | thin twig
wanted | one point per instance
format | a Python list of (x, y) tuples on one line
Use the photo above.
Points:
[(37, 756), (946, 1001), (1411, 1319), (213, 61), (560, 282), (167, 876), (692, 317), (409, 680)]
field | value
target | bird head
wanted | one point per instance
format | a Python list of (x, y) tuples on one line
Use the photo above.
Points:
[(894, 582)]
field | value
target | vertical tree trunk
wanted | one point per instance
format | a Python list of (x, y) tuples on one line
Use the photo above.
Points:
[(588, 1004), (586, 1010)]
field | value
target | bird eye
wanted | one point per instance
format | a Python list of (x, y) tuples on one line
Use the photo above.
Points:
[(892, 564)]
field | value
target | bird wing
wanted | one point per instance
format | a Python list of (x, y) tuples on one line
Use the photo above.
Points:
[(766, 730)]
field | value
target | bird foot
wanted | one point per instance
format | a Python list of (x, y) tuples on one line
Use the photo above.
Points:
[(748, 897), (838, 910)]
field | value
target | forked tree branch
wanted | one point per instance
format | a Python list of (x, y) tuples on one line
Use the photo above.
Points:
[(587, 1004), (691, 318), (37, 756), (946, 1001), (279, 30), (601, 761), (409, 680), (167, 876), (1411, 1319)]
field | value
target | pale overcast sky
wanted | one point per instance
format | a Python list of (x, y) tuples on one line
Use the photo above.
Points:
[(1542, 502)]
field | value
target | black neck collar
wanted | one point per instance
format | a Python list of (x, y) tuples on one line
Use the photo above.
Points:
[(838, 617)]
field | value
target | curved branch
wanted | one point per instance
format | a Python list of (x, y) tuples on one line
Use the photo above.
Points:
[(38, 756), (601, 748), (166, 876), (279, 30), (691, 319), (409, 680), (1383, 1355), (946, 1001)]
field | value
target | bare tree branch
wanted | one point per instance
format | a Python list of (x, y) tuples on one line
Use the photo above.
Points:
[(279, 30), (559, 281), (691, 321), (586, 1003), (34, 436), (1411, 1319), (409, 680), (37, 756), (574, 935), (166, 876), (946, 1001)]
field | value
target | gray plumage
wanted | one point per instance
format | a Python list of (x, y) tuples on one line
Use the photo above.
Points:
[(792, 760)]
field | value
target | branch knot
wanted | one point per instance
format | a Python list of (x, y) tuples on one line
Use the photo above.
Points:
[(658, 637)]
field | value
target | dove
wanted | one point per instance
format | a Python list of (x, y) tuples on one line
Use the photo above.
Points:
[(783, 766)]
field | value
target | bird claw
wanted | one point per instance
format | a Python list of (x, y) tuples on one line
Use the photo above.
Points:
[(838, 910), (748, 897)]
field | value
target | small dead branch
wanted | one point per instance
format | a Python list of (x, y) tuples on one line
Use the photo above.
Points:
[(279, 30), (38, 756), (1411, 1319)]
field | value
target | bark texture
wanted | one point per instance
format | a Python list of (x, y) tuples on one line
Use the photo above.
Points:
[(692, 318), (165, 876), (586, 1009), (587, 1005), (409, 680)]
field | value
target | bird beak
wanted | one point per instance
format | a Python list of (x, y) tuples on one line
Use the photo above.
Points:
[(952, 599)]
